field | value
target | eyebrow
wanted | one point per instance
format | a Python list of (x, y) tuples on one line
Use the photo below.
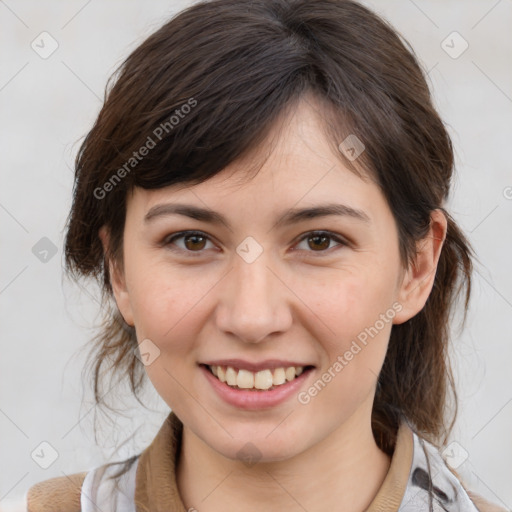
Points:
[(289, 217)]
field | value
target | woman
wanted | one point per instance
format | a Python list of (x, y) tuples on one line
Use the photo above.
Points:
[(262, 198)]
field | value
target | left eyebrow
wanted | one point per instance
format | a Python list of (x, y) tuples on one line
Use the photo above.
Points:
[(293, 216), (290, 216)]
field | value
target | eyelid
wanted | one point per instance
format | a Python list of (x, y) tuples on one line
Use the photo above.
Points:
[(342, 241)]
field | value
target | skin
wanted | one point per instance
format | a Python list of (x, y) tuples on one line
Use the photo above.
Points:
[(299, 300)]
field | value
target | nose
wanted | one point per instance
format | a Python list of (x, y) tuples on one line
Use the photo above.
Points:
[(254, 301)]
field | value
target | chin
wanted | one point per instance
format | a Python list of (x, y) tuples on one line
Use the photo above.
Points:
[(254, 445)]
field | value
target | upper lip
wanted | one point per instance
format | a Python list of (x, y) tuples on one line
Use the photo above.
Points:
[(255, 366)]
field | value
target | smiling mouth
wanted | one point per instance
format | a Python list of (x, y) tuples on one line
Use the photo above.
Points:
[(264, 380)]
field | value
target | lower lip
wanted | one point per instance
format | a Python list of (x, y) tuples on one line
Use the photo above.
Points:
[(258, 399)]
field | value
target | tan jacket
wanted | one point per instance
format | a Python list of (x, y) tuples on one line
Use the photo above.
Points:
[(150, 484)]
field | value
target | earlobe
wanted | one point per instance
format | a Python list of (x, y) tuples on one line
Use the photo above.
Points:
[(117, 280), (418, 279)]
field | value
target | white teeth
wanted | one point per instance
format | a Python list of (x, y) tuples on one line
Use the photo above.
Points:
[(263, 379), (231, 376), (290, 373), (279, 376), (245, 379)]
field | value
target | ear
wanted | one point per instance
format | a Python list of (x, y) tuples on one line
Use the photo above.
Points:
[(418, 279), (117, 280)]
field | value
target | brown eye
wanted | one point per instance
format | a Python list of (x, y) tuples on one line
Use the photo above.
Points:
[(192, 242), (320, 241)]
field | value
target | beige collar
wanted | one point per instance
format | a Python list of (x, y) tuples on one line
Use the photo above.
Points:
[(157, 490)]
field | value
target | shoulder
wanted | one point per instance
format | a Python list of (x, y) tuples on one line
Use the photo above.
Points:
[(483, 505), (60, 494), (430, 471), (110, 487)]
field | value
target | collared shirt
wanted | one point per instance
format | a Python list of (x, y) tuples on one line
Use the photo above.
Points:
[(150, 482)]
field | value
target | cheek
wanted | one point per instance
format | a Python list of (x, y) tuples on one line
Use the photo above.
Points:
[(356, 319), (169, 310), (166, 303), (350, 302)]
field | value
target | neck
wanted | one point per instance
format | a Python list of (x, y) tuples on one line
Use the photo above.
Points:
[(342, 472)]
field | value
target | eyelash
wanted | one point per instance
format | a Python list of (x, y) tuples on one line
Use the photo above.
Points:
[(183, 234)]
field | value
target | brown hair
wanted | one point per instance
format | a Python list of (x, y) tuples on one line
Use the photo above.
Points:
[(206, 88)]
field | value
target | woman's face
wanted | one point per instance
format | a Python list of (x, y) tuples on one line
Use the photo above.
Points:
[(258, 290)]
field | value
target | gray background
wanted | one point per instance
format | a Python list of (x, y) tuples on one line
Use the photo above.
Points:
[(47, 105)]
